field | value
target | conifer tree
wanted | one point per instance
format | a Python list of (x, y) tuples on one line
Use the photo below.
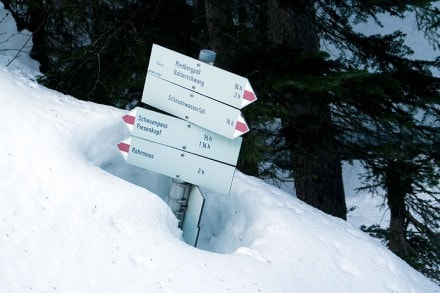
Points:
[(99, 50), (373, 93)]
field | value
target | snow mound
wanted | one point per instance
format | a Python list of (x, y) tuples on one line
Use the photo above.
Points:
[(74, 217)]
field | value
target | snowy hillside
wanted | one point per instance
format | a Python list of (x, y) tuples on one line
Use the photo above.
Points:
[(74, 217)]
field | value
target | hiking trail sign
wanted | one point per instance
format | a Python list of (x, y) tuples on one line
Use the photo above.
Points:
[(197, 92), (201, 144), (177, 164), (182, 135), (194, 107)]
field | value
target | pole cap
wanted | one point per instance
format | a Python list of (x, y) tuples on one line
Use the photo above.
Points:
[(207, 56)]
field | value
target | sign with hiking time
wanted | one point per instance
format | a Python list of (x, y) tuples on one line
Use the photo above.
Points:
[(178, 164), (193, 107), (200, 143), (182, 135), (197, 92)]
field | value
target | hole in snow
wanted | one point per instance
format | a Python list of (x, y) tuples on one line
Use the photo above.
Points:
[(102, 151), (217, 232), (154, 182)]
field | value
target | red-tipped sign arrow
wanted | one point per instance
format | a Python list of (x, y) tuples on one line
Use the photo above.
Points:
[(248, 95), (241, 126), (129, 119), (124, 147)]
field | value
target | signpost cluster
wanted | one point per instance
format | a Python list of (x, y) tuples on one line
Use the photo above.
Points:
[(200, 142)]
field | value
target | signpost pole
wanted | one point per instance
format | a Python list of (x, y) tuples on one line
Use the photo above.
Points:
[(178, 198), (179, 191), (201, 136)]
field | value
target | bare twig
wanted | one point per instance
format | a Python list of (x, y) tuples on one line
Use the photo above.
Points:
[(99, 74), (20, 50)]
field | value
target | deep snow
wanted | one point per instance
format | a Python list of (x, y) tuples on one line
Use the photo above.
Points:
[(74, 217)]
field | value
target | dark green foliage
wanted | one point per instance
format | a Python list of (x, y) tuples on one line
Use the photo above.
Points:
[(424, 253), (376, 95), (414, 192), (99, 50), (377, 232)]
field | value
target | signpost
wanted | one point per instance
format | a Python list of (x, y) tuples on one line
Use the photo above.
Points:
[(201, 144), (178, 164), (198, 92), (200, 77), (179, 134), (194, 107)]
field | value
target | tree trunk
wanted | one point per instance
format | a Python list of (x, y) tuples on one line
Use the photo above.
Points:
[(315, 159), (293, 26), (316, 164), (398, 184), (38, 14), (219, 19), (318, 175)]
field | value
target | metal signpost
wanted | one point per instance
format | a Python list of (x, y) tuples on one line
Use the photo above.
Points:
[(201, 144), (191, 221)]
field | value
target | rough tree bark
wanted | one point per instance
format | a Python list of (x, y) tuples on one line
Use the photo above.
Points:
[(315, 159), (219, 19), (398, 185)]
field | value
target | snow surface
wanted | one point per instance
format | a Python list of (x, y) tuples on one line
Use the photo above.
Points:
[(74, 217)]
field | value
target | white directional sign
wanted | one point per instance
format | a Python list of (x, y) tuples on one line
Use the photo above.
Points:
[(193, 107), (203, 78), (177, 164), (177, 133), (202, 146)]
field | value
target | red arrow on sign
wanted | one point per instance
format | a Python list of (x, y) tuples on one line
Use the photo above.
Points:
[(124, 147), (241, 126), (248, 96), (129, 119)]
